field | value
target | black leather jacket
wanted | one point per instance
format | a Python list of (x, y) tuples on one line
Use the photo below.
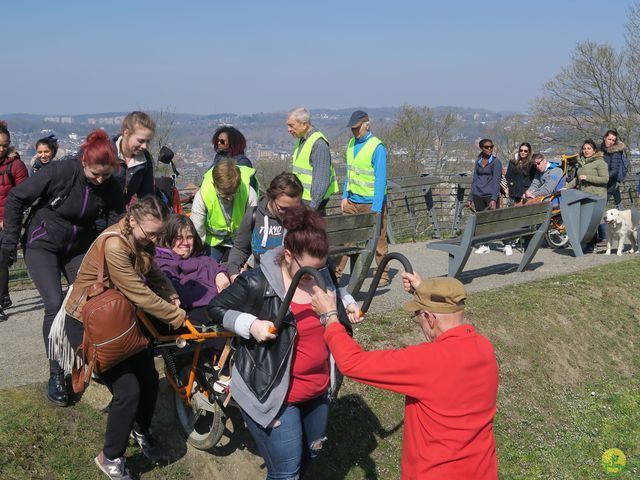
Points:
[(261, 365)]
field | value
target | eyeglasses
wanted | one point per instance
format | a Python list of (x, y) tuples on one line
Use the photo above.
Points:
[(522, 150), (153, 236), (279, 207), (488, 147)]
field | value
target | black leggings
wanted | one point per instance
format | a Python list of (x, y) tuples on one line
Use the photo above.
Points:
[(4, 276), (134, 385), (44, 269)]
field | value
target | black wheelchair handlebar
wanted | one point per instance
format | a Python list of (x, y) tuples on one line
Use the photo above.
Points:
[(376, 280), (284, 308)]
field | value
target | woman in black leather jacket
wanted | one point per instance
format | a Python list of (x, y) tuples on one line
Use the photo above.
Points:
[(68, 201), (282, 381)]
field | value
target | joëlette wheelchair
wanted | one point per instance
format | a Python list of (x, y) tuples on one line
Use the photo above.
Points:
[(198, 361)]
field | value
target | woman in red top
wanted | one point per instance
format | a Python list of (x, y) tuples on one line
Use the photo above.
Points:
[(282, 381)]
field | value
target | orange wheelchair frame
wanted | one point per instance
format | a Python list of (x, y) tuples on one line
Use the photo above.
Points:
[(199, 407)]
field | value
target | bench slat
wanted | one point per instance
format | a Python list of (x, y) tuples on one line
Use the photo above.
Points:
[(350, 236), (509, 224), (336, 223), (511, 212)]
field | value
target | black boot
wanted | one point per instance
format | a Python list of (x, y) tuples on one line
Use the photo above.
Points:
[(57, 390)]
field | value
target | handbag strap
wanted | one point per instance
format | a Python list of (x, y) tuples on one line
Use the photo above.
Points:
[(101, 247)]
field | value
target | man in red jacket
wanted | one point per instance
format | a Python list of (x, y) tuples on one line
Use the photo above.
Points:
[(450, 382)]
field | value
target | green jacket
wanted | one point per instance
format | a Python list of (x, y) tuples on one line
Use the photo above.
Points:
[(597, 173)]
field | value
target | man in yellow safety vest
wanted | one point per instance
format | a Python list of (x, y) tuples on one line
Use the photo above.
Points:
[(220, 204), (365, 186), (311, 160)]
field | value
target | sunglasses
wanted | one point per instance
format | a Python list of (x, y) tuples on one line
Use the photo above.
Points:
[(522, 150), (488, 147), (221, 141), (539, 162), (319, 269)]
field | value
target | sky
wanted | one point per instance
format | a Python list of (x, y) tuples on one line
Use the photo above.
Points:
[(206, 57)]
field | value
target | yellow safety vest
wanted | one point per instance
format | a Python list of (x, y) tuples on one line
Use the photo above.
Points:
[(302, 166), (218, 225), (361, 179)]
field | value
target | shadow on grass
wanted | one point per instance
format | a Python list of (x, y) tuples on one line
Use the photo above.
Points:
[(353, 434)]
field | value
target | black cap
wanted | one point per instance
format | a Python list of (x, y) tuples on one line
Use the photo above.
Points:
[(357, 117)]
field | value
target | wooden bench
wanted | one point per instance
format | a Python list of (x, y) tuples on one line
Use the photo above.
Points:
[(522, 221), (355, 236)]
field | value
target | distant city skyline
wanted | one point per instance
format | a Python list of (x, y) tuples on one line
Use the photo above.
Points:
[(244, 57)]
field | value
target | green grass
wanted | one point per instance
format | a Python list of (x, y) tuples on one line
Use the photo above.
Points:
[(569, 390), (39, 441), (556, 341)]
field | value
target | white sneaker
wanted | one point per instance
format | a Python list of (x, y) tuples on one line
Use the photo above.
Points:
[(482, 249), (508, 251)]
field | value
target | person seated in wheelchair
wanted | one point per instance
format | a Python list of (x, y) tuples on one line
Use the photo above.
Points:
[(547, 179), (196, 277)]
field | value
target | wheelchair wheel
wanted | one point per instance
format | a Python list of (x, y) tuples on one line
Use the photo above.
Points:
[(202, 422), (556, 236)]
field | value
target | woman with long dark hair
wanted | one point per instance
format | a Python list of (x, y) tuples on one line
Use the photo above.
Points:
[(592, 177), (613, 154), (196, 277), (285, 402), (520, 173), (67, 201)]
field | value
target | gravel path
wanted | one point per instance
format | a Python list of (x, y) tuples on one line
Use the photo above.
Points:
[(22, 357)]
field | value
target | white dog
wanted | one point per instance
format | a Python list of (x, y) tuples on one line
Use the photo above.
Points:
[(622, 224)]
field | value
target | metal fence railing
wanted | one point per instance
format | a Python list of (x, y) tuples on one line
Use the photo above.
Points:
[(420, 208)]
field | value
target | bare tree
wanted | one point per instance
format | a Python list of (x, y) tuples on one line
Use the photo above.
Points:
[(165, 120), (510, 132), (584, 97), (418, 137)]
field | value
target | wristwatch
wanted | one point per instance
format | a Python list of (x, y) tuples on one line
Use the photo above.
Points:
[(325, 317)]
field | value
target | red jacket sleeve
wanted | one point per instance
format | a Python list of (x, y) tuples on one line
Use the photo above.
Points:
[(405, 371)]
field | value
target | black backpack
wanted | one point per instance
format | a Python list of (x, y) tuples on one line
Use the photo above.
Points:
[(6, 173)]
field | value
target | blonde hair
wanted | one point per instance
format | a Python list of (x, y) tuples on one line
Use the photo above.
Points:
[(149, 206), (139, 119), (226, 177)]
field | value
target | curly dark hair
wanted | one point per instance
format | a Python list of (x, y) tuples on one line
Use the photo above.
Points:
[(237, 142)]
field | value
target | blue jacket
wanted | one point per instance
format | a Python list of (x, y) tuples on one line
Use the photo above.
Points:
[(486, 180)]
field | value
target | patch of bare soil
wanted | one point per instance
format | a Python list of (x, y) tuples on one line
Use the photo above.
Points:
[(235, 457)]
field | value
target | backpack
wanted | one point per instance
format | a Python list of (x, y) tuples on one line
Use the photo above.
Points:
[(623, 169), (111, 330), (7, 172)]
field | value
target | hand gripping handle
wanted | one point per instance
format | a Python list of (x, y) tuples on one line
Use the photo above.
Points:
[(284, 308)]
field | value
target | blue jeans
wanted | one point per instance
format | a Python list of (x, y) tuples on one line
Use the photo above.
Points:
[(288, 447)]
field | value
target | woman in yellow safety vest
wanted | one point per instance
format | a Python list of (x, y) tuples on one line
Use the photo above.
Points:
[(219, 205)]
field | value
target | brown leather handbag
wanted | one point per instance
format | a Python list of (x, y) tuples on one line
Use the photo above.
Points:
[(111, 330)]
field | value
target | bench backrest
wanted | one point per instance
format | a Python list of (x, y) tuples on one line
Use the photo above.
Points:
[(506, 220), (356, 228)]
